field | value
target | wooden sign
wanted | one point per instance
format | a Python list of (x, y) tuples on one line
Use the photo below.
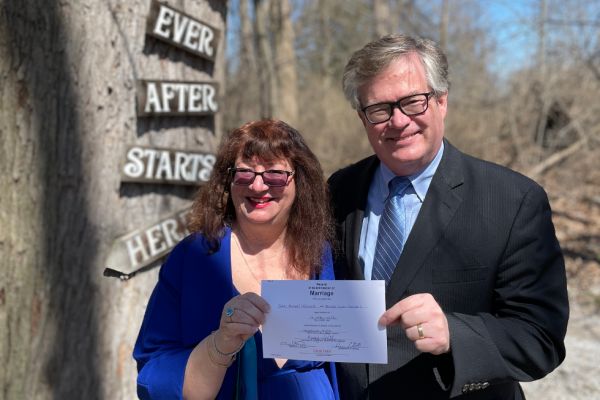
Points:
[(181, 30), (144, 246), (176, 98), (157, 165)]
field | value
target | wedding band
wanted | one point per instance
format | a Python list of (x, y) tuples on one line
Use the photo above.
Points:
[(229, 313), (420, 330)]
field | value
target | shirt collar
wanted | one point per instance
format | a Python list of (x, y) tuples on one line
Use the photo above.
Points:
[(420, 181)]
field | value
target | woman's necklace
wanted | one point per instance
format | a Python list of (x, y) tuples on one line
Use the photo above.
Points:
[(237, 243)]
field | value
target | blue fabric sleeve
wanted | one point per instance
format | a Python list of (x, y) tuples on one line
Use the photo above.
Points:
[(161, 359), (162, 377)]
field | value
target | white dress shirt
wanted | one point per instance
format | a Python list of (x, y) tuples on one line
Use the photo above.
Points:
[(378, 193)]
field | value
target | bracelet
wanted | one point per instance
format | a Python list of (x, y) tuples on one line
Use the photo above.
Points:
[(232, 354), (212, 358)]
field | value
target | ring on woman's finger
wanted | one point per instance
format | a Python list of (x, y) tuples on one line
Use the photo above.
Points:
[(229, 313), (420, 331)]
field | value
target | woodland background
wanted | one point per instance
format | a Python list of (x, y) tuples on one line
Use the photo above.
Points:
[(525, 79)]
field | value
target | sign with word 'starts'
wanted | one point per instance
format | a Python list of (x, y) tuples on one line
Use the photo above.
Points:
[(156, 165), (176, 98), (144, 246), (181, 30)]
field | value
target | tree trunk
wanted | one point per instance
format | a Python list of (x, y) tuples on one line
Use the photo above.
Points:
[(266, 69), (246, 38), (544, 102), (444, 20), (242, 96), (325, 42), (382, 15), (286, 80), (68, 73)]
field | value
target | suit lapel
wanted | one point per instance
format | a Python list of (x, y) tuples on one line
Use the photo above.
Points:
[(354, 220), (441, 202)]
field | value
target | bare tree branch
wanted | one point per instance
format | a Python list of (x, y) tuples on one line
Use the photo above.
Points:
[(556, 158)]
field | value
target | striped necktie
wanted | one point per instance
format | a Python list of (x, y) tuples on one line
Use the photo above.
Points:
[(392, 226)]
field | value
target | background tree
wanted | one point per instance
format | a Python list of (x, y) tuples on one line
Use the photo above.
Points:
[(286, 78), (267, 64), (524, 81)]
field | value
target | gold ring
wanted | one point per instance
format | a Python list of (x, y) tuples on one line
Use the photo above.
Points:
[(420, 330)]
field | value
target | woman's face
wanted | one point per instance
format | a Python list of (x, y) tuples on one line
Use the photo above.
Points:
[(258, 203)]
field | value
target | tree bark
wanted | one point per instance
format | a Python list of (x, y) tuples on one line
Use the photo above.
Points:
[(68, 73), (266, 68), (286, 79), (444, 20), (247, 35), (242, 97), (382, 15), (544, 101)]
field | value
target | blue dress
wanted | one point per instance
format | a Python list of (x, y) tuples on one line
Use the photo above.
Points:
[(186, 306)]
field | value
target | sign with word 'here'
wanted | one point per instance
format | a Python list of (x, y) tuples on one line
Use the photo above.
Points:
[(156, 165), (181, 30), (144, 246), (176, 98)]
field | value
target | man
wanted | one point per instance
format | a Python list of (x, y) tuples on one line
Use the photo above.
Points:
[(476, 288)]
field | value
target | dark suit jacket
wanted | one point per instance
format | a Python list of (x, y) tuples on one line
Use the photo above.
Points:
[(484, 246)]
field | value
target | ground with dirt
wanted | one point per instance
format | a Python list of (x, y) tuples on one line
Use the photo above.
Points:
[(577, 377)]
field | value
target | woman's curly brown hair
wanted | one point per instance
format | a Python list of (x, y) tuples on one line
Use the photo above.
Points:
[(309, 228)]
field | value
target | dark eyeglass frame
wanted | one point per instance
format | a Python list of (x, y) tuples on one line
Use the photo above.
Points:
[(397, 104), (233, 171)]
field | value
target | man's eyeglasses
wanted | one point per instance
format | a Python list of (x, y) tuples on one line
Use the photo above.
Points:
[(410, 105), (271, 178)]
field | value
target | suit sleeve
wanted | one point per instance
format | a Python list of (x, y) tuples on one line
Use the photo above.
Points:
[(161, 358), (522, 339)]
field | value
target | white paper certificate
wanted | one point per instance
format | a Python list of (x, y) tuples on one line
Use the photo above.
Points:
[(325, 321)]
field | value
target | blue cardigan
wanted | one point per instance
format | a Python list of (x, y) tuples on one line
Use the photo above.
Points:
[(184, 308)]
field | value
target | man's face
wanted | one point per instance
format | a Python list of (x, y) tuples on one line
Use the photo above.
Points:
[(404, 144)]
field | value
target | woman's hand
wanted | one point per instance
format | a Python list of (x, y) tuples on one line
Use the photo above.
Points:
[(240, 319)]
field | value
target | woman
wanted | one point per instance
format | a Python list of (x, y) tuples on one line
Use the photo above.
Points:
[(263, 215)]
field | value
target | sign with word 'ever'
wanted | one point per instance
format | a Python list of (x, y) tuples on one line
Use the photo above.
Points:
[(156, 165), (176, 98), (144, 246), (181, 30)]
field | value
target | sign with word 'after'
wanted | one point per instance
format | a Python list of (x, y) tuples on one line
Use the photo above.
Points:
[(176, 98)]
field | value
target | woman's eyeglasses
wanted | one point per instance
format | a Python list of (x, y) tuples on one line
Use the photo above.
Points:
[(271, 178)]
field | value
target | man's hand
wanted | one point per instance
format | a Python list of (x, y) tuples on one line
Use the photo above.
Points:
[(423, 320)]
